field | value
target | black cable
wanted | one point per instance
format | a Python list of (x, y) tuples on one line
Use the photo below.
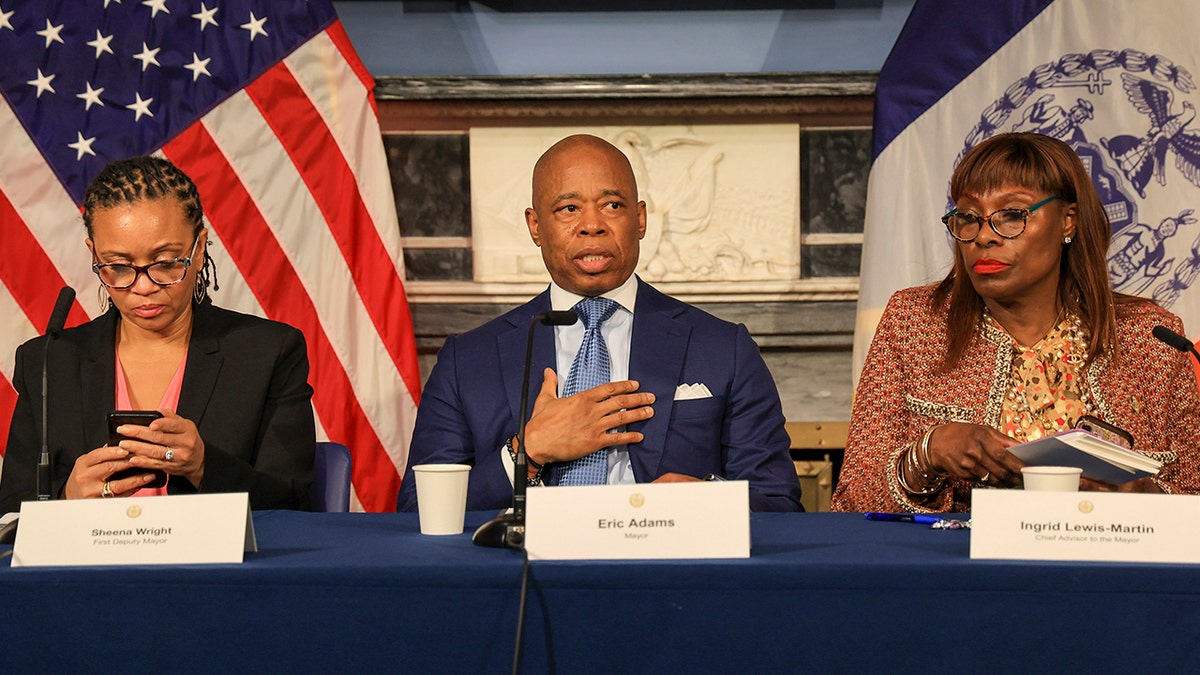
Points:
[(521, 612)]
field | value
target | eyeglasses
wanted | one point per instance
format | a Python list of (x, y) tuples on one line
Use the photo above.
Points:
[(164, 272), (1008, 223)]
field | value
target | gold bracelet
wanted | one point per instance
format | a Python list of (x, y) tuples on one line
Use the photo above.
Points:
[(928, 470), (932, 483)]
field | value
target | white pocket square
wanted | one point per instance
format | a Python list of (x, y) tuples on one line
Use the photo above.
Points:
[(688, 392)]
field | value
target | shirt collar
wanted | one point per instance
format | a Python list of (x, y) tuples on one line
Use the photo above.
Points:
[(625, 295)]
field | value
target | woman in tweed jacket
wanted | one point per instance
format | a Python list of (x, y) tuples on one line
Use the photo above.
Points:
[(1022, 338)]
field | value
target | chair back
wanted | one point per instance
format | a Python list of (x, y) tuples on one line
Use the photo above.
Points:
[(331, 478)]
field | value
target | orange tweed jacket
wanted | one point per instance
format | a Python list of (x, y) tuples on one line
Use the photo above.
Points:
[(1142, 386)]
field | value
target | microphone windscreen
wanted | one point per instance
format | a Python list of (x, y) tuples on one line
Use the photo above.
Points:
[(62, 307), (1172, 338), (563, 318)]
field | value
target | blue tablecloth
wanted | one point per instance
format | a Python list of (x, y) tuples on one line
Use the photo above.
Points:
[(820, 592)]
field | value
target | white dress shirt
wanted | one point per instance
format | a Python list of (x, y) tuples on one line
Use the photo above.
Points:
[(618, 336)]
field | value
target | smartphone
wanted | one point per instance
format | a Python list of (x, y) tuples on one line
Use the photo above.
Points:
[(141, 418), (1109, 432)]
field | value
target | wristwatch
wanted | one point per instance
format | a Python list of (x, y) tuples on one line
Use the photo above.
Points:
[(536, 478)]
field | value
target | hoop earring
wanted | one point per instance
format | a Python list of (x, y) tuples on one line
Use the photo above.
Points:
[(103, 299), (200, 290)]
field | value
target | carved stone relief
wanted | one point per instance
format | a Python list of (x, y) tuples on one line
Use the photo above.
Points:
[(722, 200)]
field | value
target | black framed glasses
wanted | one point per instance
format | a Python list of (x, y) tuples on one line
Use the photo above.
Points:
[(164, 272), (1008, 223)]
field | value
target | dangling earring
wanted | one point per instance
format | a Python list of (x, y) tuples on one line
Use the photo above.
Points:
[(102, 298), (200, 290), (1066, 240)]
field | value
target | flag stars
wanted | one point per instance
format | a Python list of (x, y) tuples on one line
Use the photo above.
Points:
[(157, 6), (50, 32), (140, 107), (82, 146), (4, 20), (91, 96), (206, 17), (198, 67), (106, 3), (255, 26), (100, 44), (148, 56), (42, 83)]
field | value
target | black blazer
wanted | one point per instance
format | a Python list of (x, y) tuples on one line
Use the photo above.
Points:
[(245, 386)]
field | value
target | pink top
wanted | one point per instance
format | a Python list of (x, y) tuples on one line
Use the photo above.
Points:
[(170, 401)]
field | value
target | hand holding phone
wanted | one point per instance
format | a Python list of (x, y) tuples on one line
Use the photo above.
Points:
[(142, 418)]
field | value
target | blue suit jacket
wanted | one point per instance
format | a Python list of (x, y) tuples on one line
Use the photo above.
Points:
[(471, 403)]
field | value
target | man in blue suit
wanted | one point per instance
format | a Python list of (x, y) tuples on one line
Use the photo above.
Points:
[(689, 396)]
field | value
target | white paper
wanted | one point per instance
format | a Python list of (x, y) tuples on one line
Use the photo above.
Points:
[(176, 529), (642, 521), (1097, 526)]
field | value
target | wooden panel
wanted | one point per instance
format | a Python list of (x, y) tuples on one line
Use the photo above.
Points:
[(816, 484), (818, 478), (818, 435)]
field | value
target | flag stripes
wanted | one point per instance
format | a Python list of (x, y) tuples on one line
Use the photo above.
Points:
[(273, 280), (291, 171)]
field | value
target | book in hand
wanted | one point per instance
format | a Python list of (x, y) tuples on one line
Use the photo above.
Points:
[(1101, 460)]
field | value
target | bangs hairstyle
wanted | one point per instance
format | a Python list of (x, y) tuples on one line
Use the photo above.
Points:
[(1046, 166)]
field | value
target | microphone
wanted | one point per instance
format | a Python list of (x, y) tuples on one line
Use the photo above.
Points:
[(58, 318), (1175, 340), (508, 529)]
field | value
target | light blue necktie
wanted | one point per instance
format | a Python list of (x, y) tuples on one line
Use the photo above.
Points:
[(591, 368)]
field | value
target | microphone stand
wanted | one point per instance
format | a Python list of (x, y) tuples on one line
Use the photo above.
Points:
[(58, 318), (514, 536), (508, 529)]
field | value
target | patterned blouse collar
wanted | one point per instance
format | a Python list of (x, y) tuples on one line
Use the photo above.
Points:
[(1048, 386)]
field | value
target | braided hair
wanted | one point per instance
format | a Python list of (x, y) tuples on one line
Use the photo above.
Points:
[(146, 178)]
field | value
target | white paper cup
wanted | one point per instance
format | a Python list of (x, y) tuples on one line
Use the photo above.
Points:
[(1051, 478), (441, 497)]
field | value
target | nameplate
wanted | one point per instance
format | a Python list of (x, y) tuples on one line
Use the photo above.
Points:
[(1092, 526), (174, 529), (647, 521)]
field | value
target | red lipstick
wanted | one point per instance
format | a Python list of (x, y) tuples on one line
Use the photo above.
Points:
[(989, 266)]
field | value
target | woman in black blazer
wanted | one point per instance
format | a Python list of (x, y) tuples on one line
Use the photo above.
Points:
[(232, 388)]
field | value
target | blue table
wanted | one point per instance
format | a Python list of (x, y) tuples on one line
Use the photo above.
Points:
[(820, 593)]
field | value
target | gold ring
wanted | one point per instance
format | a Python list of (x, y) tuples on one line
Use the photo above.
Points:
[(984, 478), (106, 490)]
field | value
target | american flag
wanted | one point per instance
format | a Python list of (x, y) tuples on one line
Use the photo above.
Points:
[(265, 104)]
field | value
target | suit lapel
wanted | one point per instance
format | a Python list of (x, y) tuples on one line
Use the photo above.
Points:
[(203, 365), (97, 375), (511, 347), (656, 357)]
